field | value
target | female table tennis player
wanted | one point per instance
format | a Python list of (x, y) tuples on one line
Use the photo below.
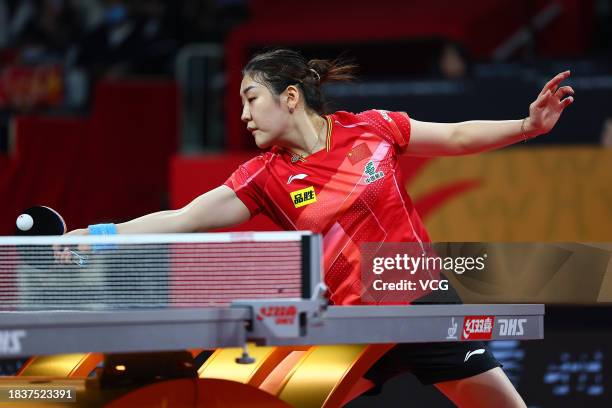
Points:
[(337, 175)]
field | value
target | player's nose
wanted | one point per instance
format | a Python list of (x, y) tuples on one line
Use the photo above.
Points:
[(246, 114)]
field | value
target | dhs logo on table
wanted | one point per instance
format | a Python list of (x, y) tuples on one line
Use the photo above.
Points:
[(511, 327), (282, 315), (477, 327), (10, 341)]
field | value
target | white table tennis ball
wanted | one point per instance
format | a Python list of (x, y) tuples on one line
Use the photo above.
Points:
[(25, 222)]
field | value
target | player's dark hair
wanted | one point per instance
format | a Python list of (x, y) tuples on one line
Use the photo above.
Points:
[(279, 68)]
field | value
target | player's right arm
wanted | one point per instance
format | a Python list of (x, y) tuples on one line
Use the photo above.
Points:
[(217, 208)]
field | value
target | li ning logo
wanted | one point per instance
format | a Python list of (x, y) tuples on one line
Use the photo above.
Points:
[(371, 174)]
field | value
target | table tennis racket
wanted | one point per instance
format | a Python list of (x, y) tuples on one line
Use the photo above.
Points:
[(43, 220), (40, 220)]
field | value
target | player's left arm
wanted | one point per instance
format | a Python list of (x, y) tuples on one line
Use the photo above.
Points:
[(452, 139)]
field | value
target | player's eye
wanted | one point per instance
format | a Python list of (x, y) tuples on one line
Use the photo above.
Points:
[(251, 99)]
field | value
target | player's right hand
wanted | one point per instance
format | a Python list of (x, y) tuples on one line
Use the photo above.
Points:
[(63, 254)]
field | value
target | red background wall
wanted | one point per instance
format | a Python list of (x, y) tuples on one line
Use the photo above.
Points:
[(112, 165)]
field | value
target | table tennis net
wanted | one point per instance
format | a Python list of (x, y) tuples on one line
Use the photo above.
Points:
[(155, 271)]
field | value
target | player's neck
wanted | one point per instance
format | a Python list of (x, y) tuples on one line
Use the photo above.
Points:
[(307, 135)]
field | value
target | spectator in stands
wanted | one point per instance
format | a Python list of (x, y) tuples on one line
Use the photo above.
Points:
[(130, 40), (14, 15), (452, 62), (49, 29)]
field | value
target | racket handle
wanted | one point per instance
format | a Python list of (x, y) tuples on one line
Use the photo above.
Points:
[(78, 259)]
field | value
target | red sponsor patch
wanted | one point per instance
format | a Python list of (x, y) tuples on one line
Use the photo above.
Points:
[(358, 153), (477, 327)]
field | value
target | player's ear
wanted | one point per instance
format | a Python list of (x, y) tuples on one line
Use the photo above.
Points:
[(292, 97)]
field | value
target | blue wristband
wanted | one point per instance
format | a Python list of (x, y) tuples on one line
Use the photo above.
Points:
[(103, 229)]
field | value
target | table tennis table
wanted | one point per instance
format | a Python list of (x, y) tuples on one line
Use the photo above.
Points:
[(291, 323), (52, 332)]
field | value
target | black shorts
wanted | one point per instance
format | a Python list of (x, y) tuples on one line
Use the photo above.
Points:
[(433, 362)]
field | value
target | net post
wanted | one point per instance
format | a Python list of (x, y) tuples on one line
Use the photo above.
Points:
[(312, 250)]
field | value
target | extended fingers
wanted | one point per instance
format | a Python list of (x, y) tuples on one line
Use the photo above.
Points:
[(563, 91), (553, 83), (567, 101)]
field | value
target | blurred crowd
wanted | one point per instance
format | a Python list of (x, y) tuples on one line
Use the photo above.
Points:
[(110, 34), (52, 52), (88, 39)]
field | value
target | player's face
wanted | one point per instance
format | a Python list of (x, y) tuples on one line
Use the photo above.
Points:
[(265, 114)]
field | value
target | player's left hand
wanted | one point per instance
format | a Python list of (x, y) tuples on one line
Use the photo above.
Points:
[(545, 111)]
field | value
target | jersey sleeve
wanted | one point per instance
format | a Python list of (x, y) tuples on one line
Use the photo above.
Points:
[(244, 183), (393, 126)]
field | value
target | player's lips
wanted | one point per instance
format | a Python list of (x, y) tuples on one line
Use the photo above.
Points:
[(252, 130)]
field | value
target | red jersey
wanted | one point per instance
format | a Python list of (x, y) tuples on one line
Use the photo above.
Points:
[(350, 192)]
